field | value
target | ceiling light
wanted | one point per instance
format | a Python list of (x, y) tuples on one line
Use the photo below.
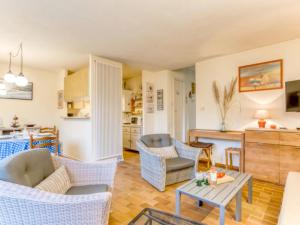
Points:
[(9, 77), (2, 86), (21, 80), (3, 92)]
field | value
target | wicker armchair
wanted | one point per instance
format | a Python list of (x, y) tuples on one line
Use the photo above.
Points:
[(155, 169), (21, 204)]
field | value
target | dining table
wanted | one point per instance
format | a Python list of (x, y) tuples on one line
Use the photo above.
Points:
[(11, 144)]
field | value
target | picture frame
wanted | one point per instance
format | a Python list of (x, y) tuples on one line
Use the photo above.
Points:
[(160, 100), (18, 93), (261, 76), (60, 99)]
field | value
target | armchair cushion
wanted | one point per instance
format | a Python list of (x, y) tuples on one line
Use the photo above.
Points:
[(175, 164), (87, 189), (156, 140), (27, 168), (165, 152)]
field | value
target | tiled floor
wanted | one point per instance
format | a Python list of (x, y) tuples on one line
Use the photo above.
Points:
[(132, 194)]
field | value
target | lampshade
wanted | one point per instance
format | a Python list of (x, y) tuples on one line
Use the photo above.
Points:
[(2, 87), (261, 114), (21, 81), (3, 92), (9, 77)]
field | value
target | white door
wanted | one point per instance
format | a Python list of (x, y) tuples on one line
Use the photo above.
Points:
[(179, 117), (106, 113)]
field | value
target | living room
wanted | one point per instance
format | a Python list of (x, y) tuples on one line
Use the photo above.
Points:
[(216, 104)]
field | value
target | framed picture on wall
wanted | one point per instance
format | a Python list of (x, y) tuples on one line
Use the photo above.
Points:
[(160, 99), (12, 91), (261, 76), (60, 99)]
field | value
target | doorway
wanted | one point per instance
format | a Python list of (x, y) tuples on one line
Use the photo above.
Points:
[(179, 110)]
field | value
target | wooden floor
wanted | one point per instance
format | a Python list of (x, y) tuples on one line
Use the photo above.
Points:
[(132, 194)]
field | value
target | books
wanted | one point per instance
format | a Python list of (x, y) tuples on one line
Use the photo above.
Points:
[(225, 179)]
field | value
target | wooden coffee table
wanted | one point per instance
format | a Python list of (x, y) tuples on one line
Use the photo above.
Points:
[(218, 196)]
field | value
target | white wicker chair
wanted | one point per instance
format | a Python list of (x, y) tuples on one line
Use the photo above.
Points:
[(154, 167), (25, 205)]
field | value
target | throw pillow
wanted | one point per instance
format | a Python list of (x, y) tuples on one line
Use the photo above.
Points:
[(58, 182), (165, 152)]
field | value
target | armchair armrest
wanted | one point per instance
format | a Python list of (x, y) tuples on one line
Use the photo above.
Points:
[(87, 173), (186, 151), (24, 205)]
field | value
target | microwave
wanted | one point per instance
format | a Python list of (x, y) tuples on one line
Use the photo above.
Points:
[(137, 120)]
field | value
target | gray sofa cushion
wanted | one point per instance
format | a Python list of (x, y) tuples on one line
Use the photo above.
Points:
[(27, 168), (156, 140), (175, 164), (87, 189)]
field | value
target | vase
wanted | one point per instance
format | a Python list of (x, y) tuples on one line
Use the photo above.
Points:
[(223, 129)]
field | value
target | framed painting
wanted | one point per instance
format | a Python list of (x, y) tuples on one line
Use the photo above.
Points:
[(261, 76), (15, 92)]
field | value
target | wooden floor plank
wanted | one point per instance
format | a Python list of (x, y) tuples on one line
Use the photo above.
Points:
[(131, 194)]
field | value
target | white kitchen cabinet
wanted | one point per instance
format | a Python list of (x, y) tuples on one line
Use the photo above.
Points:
[(130, 135), (126, 99)]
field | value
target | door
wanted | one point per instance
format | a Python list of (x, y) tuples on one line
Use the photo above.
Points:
[(179, 110)]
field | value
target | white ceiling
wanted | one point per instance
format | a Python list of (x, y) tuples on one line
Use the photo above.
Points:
[(148, 34)]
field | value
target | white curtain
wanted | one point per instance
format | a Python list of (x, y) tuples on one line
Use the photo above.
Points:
[(106, 95)]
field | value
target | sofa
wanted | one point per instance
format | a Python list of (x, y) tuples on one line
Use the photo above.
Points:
[(86, 202), (290, 213), (159, 171)]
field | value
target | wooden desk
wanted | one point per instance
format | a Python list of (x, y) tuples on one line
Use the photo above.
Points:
[(216, 134)]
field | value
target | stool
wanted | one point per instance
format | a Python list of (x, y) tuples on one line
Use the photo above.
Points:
[(206, 147), (234, 151)]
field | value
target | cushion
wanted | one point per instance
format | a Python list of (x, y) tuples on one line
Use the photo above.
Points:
[(58, 182), (165, 152), (175, 164), (156, 140), (87, 189), (27, 168)]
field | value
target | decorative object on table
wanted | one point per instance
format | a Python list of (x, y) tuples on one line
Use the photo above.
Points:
[(261, 115), (273, 126), (261, 76), (12, 91), (149, 98), (224, 100), (220, 196), (225, 179), (156, 217), (60, 99), (91, 185), (160, 99), (19, 80), (15, 122)]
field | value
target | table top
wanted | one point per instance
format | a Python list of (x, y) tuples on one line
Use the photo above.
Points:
[(216, 134), (220, 195), (156, 217)]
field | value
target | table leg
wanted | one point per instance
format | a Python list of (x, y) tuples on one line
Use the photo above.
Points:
[(178, 202), (222, 215), (238, 207), (199, 203), (250, 190)]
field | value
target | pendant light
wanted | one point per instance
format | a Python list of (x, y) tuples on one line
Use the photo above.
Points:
[(21, 80), (9, 77), (3, 89)]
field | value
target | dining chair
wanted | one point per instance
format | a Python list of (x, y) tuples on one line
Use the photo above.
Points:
[(51, 130), (49, 142)]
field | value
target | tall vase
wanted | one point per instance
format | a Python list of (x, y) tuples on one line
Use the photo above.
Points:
[(223, 128)]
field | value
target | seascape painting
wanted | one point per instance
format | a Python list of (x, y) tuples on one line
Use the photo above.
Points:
[(15, 92), (261, 76)]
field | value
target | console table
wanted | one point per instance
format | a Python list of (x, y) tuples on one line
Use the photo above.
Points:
[(216, 134)]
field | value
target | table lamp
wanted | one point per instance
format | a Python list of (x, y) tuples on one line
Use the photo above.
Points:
[(261, 115)]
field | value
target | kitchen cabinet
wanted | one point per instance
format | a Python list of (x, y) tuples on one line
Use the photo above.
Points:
[(131, 134), (76, 85), (271, 154), (126, 100)]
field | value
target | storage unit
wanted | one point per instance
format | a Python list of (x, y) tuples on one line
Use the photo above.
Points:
[(131, 134), (126, 99), (76, 85), (271, 154)]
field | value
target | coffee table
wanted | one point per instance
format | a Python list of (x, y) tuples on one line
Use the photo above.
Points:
[(155, 217), (218, 196)]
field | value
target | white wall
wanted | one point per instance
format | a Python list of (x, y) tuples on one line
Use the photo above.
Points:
[(222, 69), (42, 110), (159, 121)]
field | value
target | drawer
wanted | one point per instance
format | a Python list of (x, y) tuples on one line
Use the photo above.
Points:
[(290, 138), (135, 130), (262, 161), (126, 129), (266, 137)]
